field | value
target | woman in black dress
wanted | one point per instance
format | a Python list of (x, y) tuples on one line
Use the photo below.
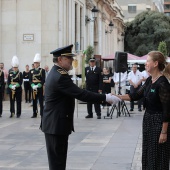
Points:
[(27, 86), (106, 86), (156, 132)]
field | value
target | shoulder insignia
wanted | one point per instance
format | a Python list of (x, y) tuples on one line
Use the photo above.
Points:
[(32, 71), (61, 71), (11, 74)]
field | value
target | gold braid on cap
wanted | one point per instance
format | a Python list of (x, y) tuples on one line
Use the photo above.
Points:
[(67, 54)]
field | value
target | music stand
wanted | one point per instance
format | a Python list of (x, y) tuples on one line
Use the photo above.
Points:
[(122, 108)]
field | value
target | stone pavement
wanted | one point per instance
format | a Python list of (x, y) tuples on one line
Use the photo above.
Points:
[(106, 144)]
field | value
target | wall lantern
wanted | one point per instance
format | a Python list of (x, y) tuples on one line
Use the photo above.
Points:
[(110, 27), (94, 15)]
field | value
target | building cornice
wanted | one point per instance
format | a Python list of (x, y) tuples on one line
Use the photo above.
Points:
[(89, 4)]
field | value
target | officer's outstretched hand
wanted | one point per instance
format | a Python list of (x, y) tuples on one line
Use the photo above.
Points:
[(112, 99)]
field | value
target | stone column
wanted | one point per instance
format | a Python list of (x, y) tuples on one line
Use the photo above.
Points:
[(78, 26), (60, 23), (115, 40), (1, 31)]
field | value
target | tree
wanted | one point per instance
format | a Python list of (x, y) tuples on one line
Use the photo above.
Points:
[(163, 48), (89, 52), (145, 32)]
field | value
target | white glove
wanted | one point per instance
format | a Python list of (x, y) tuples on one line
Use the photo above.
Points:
[(35, 87), (112, 99), (13, 87)]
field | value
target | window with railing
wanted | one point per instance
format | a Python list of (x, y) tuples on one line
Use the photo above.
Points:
[(132, 8), (167, 7)]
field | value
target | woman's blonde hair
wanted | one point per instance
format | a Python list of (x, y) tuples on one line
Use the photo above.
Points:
[(158, 56)]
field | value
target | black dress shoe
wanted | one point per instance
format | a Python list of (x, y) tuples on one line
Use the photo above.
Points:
[(139, 110), (34, 116), (0, 115), (131, 110), (98, 117), (89, 116), (12, 115), (18, 116)]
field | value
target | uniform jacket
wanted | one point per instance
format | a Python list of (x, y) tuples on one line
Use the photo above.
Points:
[(37, 75), (1, 80), (17, 78), (60, 94), (94, 80)]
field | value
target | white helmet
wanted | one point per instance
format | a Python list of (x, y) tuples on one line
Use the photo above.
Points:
[(15, 61), (37, 58)]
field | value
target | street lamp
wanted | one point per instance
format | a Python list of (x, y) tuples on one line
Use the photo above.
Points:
[(111, 28), (94, 15)]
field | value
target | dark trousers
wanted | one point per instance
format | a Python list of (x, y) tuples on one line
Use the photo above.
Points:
[(96, 106), (16, 97), (57, 146), (1, 98), (27, 89), (39, 95), (134, 90)]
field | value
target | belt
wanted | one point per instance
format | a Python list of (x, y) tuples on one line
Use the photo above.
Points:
[(36, 81), (14, 82)]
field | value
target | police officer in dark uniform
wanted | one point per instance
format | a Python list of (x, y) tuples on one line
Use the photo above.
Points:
[(37, 80), (94, 83), (15, 80), (60, 94), (1, 90)]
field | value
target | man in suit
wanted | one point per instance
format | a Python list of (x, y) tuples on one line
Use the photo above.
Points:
[(60, 94), (94, 83), (37, 80)]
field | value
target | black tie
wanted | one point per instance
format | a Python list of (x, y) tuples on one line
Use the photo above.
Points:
[(92, 69)]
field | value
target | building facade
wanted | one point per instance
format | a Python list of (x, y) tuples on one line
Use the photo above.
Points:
[(131, 8), (167, 7), (40, 26)]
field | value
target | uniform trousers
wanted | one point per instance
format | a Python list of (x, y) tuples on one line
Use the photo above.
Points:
[(38, 96), (16, 97), (96, 105), (57, 146)]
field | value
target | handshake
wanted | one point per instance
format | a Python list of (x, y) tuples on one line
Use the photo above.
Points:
[(112, 99)]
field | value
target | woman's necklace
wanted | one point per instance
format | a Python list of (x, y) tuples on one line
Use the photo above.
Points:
[(156, 78)]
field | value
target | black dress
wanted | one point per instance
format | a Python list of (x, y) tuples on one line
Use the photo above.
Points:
[(106, 86), (155, 156)]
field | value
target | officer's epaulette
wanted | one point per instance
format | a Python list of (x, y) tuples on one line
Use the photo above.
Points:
[(61, 71)]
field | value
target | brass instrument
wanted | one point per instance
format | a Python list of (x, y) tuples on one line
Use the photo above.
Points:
[(13, 93), (34, 94)]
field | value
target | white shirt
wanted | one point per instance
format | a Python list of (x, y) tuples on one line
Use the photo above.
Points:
[(145, 75), (135, 78), (93, 68), (123, 77)]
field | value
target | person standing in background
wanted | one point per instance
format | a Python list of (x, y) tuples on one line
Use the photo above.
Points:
[(1, 91), (145, 75), (135, 80), (5, 79), (15, 80), (46, 68), (123, 78), (94, 83), (37, 80), (27, 86), (106, 86)]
